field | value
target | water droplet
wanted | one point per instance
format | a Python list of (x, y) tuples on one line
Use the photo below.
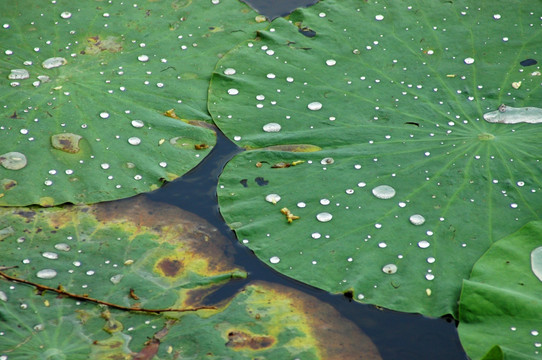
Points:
[(429, 276), (13, 160), (272, 198), (18, 74), (301, 204), (50, 255), (511, 115), (324, 201), (327, 161), (54, 62), (274, 260), (104, 166), (424, 244), (417, 219), (362, 184), (271, 76), (104, 115), (134, 140), (349, 191), (469, 61), (62, 247), (514, 205), (115, 279), (237, 138), (90, 272), (46, 274), (233, 91), (137, 123), (382, 245), (361, 296), (316, 235), (67, 142), (66, 15), (38, 327), (229, 71), (536, 262), (331, 62), (534, 333), (3, 296), (384, 192), (271, 127), (143, 58), (324, 217), (430, 260), (390, 269), (379, 17), (314, 106)]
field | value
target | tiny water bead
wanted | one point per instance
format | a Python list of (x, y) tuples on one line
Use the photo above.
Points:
[(273, 198), (233, 92), (274, 260), (379, 17), (143, 58), (301, 204), (229, 71), (384, 192), (324, 217)]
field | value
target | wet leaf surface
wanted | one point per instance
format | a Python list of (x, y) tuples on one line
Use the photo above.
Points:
[(500, 307), (394, 95), (145, 257), (85, 88)]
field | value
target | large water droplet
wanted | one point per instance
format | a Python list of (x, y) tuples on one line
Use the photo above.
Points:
[(272, 198), (536, 262), (54, 62), (50, 255), (274, 260), (13, 160), (324, 217), (390, 269), (384, 192), (143, 58), (511, 115), (233, 91), (417, 219), (138, 123), (134, 140), (46, 274), (423, 244), (314, 106), (19, 74), (3, 296), (271, 127)]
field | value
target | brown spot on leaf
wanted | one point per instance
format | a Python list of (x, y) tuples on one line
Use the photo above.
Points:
[(96, 45), (170, 267), (8, 184), (66, 142), (242, 340)]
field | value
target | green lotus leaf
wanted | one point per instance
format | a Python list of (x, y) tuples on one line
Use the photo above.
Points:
[(98, 97), (500, 304), (411, 185), (139, 255)]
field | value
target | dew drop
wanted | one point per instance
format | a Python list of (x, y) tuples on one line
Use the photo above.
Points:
[(104, 166), (13, 160), (271, 127), (379, 17), (424, 244), (50, 255), (137, 123), (229, 71), (18, 74), (3, 296), (497, 16), (301, 204), (316, 235), (331, 62), (314, 106), (274, 260), (327, 161), (62, 247), (143, 58), (349, 191), (324, 217), (324, 201), (104, 115), (115, 279), (384, 192), (362, 184), (134, 140), (233, 91), (260, 97), (536, 262), (46, 274), (469, 61), (54, 62), (382, 245), (430, 260), (429, 276), (66, 15), (417, 219), (390, 269), (272, 198), (361, 296)]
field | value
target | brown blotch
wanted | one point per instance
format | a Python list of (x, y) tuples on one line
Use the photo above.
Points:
[(66, 142), (170, 267), (8, 184), (242, 340), (96, 45)]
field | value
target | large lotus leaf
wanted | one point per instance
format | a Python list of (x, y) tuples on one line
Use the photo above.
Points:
[(500, 304), (86, 84), (390, 94), (128, 253), (139, 255)]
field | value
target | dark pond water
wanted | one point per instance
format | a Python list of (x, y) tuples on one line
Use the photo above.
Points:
[(397, 335)]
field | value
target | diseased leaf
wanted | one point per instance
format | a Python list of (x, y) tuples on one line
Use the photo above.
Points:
[(86, 88), (411, 185), (500, 306)]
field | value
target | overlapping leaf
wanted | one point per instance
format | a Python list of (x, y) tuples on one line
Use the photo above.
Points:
[(134, 255), (86, 86), (500, 307), (393, 94)]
